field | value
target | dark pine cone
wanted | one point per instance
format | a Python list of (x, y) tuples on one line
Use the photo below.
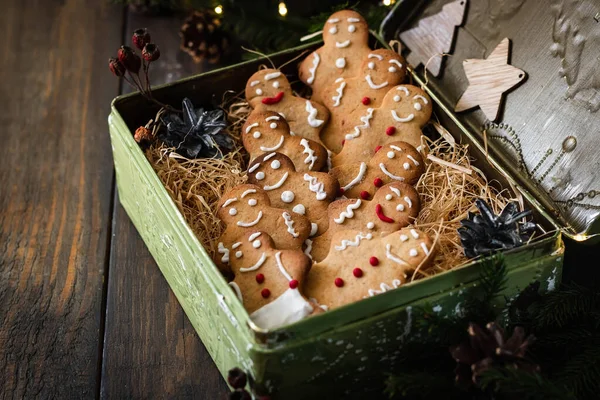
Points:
[(200, 134), (486, 232), (203, 38), (487, 348)]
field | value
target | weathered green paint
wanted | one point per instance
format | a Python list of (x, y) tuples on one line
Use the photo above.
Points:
[(339, 347)]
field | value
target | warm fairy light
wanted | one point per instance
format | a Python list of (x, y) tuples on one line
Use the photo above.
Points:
[(388, 2), (580, 238), (219, 9), (282, 9)]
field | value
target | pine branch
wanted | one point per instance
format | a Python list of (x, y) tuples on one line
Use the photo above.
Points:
[(421, 385), (511, 383), (582, 373)]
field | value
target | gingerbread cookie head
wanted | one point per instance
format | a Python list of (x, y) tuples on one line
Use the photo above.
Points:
[(344, 28), (242, 205), (382, 67), (265, 276), (398, 161), (271, 171), (396, 203), (268, 86), (407, 104), (264, 131)]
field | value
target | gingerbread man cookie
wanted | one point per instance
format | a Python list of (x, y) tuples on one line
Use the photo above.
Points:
[(345, 37), (361, 265), (268, 281), (303, 193), (381, 70), (268, 132), (397, 161), (394, 206), (269, 90), (402, 115), (248, 208)]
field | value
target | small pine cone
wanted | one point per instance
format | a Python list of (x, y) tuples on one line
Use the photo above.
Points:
[(203, 38), (143, 134)]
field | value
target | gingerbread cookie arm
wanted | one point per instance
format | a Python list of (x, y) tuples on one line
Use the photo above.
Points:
[(309, 67)]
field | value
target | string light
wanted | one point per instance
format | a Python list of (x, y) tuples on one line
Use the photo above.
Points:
[(282, 9), (219, 9), (388, 2)]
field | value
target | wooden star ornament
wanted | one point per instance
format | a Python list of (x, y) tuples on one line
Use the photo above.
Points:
[(489, 79)]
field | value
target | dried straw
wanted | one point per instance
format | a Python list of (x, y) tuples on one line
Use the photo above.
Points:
[(448, 189)]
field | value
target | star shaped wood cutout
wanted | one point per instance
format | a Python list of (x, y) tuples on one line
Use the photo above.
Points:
[(489, 79)]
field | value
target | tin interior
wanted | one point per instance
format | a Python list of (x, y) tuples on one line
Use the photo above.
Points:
[(210, 88), (555, 112)]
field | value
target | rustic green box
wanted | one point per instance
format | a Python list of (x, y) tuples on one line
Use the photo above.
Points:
[(337, 349)]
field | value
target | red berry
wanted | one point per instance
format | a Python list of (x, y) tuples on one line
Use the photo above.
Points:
[(260, 278), (116, 67), (339, 282), (293, 284), (374, 261), (129, 59), (265, 293), (378, 182), (378, 148), (366, 101), (140, 38), (357, 272), (364, 195), (390, 130), (151, 52), (236, 378)]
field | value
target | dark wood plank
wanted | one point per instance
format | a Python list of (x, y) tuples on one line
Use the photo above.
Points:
[(150, 349), (56, 193)]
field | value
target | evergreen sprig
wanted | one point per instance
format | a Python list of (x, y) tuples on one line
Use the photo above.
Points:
[(511, 383), (421, 385)]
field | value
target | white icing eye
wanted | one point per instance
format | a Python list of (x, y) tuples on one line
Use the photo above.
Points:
[(232, 211), (392, 69), (252, 202), (287, 196), (396, 98), (340, 62), (256, 134), (256, 244), (418, 106), (275, 164), (400, 207), (388, 197), (260, 176), (406, 166), (333, 30), (370, 225), (413, 253), (259, 91), (273, 125), (238, 254), (351, 28), (276, 84), (299, 209), (391, 154), (371, 65)]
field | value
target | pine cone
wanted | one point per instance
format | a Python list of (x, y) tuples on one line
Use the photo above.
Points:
[(487, 348), (203, 38), (486, 232)]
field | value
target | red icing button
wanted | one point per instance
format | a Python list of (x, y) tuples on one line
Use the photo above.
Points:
[(273, 100), (265, 293), (378, 148), (365, 195), (357, 272), (366, 101), (378, 182), (343, 142), (390, 130), (374, 261), (341, 191), (260, 278), (339, 282), (293, 284)]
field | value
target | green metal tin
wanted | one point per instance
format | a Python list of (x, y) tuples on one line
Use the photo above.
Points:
[(335, 349)]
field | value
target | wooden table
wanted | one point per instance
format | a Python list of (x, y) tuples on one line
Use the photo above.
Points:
[(84, 311)]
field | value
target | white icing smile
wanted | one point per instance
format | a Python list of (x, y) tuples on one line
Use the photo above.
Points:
[(256, 266), (397, 118), (252, 223), (388, 173), (342, 44), (276, 147), (374, 86), (278, 184)]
